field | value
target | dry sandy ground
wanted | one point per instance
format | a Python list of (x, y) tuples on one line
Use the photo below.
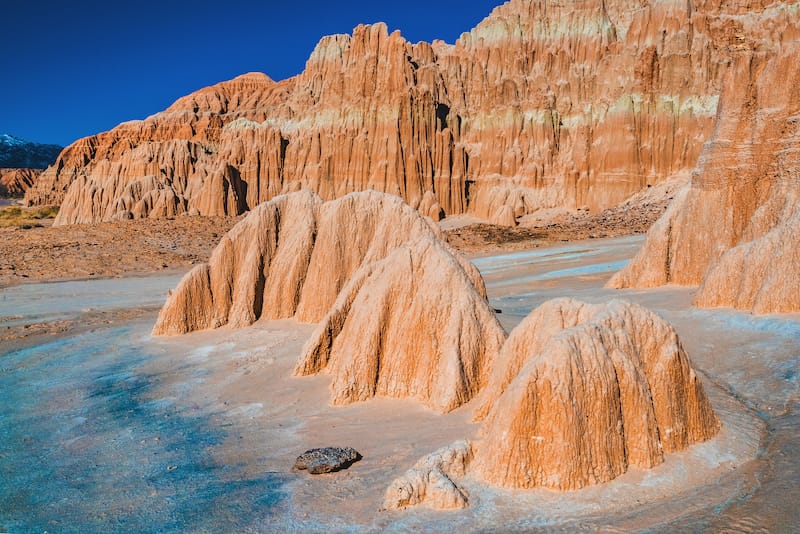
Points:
[(243, 379), (108, 249), (49, 309), (247, 376), (634, 216), (16, 335), (148, 246)]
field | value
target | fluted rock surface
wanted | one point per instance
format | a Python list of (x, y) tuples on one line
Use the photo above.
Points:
[(291, 256), (14, 182), (412, 325), (543, 104), (735, 230), (432, 481), (581, 392)]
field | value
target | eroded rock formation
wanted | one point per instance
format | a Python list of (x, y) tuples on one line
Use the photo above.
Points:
[(291, 256), (412, 325), (581, 392), (543, 104), (14, 182), (735, 230), (432, 481)]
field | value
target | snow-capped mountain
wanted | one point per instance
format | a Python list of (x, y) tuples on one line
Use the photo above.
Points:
[(18, 153)]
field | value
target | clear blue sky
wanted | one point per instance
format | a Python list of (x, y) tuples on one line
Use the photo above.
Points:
[(74, 68)]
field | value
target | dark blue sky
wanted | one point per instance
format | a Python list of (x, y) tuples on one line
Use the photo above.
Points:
[(73, 68)]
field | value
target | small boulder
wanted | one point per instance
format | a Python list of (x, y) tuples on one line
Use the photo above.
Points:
[(327, 459), (432, 481)]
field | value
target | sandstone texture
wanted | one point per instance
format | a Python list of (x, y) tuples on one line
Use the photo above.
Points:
[(14, 182), (431, 481), (291, 257), (581, 392), (543, 104), (735, 230), (327, 459), (412, 325)]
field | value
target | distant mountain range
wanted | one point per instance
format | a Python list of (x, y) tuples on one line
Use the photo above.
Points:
[(18, 153)]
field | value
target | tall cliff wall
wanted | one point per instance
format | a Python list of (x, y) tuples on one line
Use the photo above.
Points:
[(735, 230), (543, 104)]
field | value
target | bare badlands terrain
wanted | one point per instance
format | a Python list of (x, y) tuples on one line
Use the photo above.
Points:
[(199, 432), (151, 384), (151, 245), (148, 246)]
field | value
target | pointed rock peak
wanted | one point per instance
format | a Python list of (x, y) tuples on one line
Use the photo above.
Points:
[(376, 29), (328, 48)]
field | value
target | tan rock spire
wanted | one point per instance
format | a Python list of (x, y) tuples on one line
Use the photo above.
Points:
[(411, 325)]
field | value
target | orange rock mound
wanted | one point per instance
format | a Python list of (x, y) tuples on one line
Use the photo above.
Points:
[(582, 391), (735, 230), (543, 104), (411, 325), (290, 257)]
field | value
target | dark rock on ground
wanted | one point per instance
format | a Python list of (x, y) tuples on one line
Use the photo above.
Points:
[(327, 459)]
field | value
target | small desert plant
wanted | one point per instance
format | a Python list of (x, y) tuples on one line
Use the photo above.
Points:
[(11, 213), (26, 218), (47, 212)]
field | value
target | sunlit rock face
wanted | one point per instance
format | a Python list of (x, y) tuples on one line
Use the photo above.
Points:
[(543, 104), (735, 230), (412, 325), (580, 392), (401, 313), (292, 256), (14, 182)]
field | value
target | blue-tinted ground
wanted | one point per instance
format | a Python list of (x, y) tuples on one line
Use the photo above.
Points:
[(754, 358), (90, 443), (31, 303), (85, 447)]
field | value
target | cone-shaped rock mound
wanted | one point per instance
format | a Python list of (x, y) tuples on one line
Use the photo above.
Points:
[(411, 325), (582, 391), (735, 230), (291, 256)]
